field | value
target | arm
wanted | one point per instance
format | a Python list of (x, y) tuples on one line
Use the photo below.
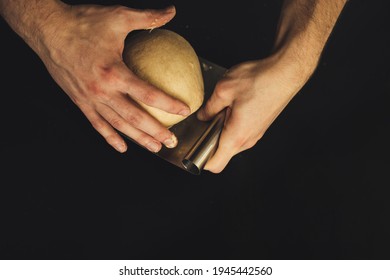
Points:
[(255, 92), (81, 47), (304, 28)]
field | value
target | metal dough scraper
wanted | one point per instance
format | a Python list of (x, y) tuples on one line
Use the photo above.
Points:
[(197, 140)]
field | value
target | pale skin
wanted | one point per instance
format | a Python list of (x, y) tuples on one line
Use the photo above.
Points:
[(81, 46), (255, 92)]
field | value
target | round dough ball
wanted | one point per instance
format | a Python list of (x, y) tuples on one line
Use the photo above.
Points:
[(166, 60)]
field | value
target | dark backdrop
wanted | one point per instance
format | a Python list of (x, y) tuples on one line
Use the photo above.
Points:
[(315, 187)]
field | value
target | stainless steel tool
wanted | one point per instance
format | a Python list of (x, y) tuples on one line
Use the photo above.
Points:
[(198, 140)]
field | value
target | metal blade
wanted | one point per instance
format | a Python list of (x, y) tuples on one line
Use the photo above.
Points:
[(198, 140)]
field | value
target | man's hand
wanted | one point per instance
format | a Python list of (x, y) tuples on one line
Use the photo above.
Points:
[(254, 93), (81, 46)]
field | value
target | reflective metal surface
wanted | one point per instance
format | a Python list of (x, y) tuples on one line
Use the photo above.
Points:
[(197, 140)]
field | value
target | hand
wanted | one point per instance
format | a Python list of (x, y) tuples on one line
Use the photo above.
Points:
[(82, 49), (254, 93)]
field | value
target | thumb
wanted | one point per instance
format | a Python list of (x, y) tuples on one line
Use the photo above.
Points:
[(218, 101), (150, 18)]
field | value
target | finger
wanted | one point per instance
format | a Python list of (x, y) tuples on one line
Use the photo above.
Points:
[(140, 119), (219, 100), (222, 156), (105, 129), (227, 115), (150, 18), (117, 122), (231, 141), (150, 95)]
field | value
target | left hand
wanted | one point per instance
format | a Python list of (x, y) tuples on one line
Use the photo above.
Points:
[(254, 94)]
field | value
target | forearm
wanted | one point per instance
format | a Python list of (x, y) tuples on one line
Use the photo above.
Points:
[(303, 30), (30, 19), (255, 92)]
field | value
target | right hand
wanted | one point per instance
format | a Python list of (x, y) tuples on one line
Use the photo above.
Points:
[(82, 50)]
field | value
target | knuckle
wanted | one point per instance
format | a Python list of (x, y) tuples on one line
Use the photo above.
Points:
[(173, 105), (208, 108), (120, 10), (142, 139), (221, 91), (97, 124), (117, 10), (111, 138), (109, 75), (134, 118), (162, 134), (117, 123), (148, 98), (122, 13), (96, 91)]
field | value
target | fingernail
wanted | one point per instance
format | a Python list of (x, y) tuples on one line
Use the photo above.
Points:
[(185, 112), (171, 142), (153, 147), (120, 147)]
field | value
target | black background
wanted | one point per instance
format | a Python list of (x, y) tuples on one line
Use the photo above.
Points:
[(315, 187)]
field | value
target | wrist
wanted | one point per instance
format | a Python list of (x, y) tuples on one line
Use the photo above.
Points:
[(303, 30), (295, 63), (34, 21), (46, 28)]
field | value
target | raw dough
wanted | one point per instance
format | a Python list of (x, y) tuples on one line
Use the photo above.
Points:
[(166, 60)]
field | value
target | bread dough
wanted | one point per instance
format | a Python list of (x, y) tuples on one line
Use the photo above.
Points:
[(166, 60)]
